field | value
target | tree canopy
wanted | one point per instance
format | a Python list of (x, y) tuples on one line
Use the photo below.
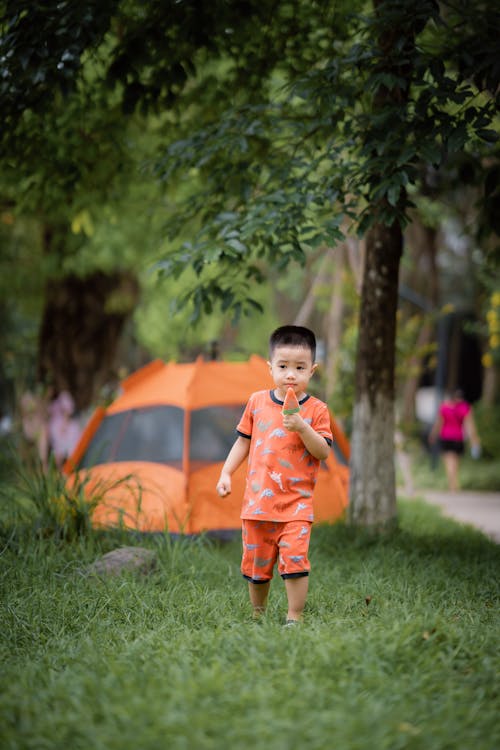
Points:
[(279, 125)]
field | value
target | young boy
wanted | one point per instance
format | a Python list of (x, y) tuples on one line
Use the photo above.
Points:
[(284, 452)]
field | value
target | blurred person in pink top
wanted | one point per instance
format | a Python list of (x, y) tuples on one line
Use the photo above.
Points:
[(453, 426)]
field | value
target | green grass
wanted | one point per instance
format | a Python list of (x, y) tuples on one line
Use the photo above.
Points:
[(481, 475), (173, 660)]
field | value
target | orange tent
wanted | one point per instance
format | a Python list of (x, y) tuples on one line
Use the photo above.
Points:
[(169, 432)]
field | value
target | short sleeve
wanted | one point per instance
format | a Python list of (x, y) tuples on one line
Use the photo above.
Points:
[(322, 423), (245, 425)]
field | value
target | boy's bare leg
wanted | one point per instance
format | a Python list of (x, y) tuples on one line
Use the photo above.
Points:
[(296, 591), (258, 597)]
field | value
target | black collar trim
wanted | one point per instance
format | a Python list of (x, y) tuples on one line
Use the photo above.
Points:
[(277, 401)]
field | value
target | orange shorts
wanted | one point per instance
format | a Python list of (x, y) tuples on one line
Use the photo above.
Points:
[(265, 542)]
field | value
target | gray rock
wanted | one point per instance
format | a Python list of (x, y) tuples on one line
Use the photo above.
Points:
[(135, 559)]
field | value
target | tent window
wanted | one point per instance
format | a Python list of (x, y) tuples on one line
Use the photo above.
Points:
[(213, 432), (101, 446), (154, 434)]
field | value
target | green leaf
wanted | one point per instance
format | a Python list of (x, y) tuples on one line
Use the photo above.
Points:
[(490, 136), (237, 245), (227, 300), (431, 152), (457, 139), (393, 194)]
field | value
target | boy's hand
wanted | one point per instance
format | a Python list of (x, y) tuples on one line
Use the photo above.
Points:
[(313, 441), (293, 422), (224, 485)]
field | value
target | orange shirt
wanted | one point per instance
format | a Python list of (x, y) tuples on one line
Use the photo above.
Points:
[(281, 471)]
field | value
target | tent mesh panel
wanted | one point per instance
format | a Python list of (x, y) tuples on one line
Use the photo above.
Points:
[(150, 434), (156, 434), (213, 432)]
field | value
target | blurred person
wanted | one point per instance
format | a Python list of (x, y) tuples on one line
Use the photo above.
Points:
[(63, 428), (454, 425), (34, 422)]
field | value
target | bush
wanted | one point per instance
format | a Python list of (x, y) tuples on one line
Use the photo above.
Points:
[(45, 502), (487, 420)]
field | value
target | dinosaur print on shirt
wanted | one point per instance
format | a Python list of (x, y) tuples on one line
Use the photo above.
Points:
[(281, 472)]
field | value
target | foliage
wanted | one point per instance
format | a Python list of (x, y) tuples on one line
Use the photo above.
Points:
[(45, 503), (492, 354), (21, 295), (172, 335), (398, 648), (154, 51), (487, 418), (268, 167), (34, 72), (279, 175), (284, 117), (275, 163)]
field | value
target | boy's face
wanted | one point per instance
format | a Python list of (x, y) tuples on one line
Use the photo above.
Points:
[(291, 366)]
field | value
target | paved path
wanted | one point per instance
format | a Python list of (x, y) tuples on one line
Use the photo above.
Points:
[(480, 509)]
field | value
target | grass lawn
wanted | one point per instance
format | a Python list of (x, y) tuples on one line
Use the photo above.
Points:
[(399, 647), (483, 475)]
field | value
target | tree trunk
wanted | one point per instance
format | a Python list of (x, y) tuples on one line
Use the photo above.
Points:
[(490, 381), (309, 304), (80, 333), (334, 321), (372, 477), (356, 252)]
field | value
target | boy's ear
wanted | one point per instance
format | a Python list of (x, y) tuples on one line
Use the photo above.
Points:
[(314, 368)]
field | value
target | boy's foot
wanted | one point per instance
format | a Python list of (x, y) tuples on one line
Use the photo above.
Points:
[(290, 623), (258, 613)]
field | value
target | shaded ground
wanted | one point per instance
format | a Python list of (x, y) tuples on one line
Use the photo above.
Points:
[(480, 509)]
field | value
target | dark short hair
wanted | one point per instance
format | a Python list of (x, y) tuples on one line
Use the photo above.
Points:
[(293, 336)]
